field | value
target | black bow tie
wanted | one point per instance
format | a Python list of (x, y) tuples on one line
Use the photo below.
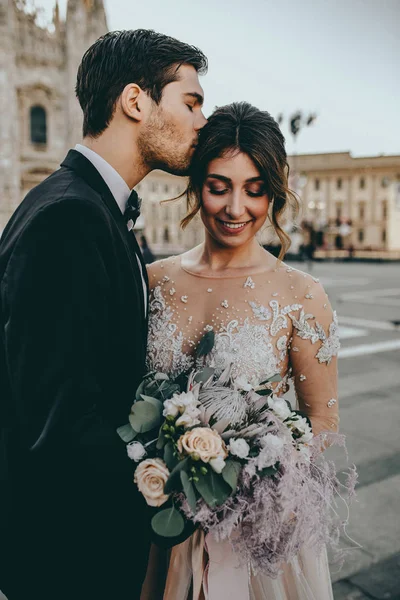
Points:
[(132, 210)]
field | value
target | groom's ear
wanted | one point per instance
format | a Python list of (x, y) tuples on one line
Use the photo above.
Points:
[(134, 102)]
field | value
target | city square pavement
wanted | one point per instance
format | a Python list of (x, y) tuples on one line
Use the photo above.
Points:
[(367, 299)]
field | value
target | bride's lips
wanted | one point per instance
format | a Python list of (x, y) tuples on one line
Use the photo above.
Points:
[(232, 228)]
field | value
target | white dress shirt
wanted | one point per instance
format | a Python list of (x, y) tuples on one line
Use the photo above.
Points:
[(119, 189)]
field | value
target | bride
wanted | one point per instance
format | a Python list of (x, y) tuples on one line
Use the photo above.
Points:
[(267, 318)]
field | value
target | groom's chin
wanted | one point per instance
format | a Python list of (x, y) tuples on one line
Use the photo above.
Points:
[(179, 171)]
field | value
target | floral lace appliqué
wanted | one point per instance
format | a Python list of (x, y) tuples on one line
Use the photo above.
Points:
[(165, 345), (278, 315), (247, 348), (330, 343)]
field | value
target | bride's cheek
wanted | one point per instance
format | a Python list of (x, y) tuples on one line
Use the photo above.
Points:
[(209, 205)]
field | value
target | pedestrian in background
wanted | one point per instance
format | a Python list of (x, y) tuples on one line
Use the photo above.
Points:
[(148, 256)]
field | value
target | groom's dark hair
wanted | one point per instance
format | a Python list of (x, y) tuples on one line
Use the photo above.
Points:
[(118, 58)]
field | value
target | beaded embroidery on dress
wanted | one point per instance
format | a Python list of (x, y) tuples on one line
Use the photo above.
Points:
[(276, 321)]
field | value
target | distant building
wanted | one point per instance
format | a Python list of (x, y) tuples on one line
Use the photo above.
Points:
[(40, 117), (161, 215), (351, 202)]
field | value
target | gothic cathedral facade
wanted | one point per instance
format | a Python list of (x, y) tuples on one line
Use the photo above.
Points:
[(40, 117)]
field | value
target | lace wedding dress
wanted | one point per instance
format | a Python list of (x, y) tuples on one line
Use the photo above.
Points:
[(277, 320)]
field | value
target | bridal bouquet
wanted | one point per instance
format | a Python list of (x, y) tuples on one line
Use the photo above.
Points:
[(236, 461)]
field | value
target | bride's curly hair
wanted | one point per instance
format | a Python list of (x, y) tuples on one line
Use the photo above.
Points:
[(241, 127)]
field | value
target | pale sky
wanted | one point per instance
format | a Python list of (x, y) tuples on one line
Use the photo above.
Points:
[(338, 58)]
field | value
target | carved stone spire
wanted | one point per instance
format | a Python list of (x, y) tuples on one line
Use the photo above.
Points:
[(56, 15)]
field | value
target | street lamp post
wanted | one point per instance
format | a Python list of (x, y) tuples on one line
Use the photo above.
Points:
[(297, 121)]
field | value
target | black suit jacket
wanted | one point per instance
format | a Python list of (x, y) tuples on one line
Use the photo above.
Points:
[(72, 353)]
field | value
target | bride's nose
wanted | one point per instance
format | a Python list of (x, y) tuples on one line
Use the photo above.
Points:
[(235, 207)]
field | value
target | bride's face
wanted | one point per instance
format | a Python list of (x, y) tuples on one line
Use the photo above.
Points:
[(234, 200)]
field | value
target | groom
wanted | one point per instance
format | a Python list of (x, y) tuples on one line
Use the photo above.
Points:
[(73, 316)]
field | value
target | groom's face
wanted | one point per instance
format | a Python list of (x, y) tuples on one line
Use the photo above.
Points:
[(169, 136)]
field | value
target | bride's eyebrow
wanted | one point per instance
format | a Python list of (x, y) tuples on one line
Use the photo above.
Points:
[(220, 177), (228, 180), (253, 179)]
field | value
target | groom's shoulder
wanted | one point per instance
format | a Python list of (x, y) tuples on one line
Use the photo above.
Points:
[(61, 204), (63, 189), (62, 195)]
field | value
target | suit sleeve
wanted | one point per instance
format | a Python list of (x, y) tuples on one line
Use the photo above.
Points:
[(56, 294)]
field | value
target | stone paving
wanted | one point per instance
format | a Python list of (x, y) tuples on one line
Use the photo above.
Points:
[(367, 298)]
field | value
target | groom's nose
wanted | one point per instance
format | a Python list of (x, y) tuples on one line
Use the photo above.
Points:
[(200, 121)]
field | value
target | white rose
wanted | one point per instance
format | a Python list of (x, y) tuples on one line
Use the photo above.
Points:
[(272, 446), (170, 409), (151, 476), (302, 426), (307, 436), (241, 383), (179, 403), (189, 418), (217, 464), (239, 447), (266, 458), (185, 399), (271, 441), (136, 451), (202, 442), (280, 407)]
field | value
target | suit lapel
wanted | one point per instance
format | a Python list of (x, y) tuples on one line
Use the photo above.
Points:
[(85, 169)]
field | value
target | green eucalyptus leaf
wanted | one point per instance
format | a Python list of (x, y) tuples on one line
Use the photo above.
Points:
[(127, 433), (161, 377), (157, 403), (174, 480), (140, 390), (206, 344), (169, 457), (144, 416), (168, 523), (269, 471), (189, 490), (213, 489), (161, 440), (264, 392), (169, 390), (273, 379), (204, 375), (230, 473)]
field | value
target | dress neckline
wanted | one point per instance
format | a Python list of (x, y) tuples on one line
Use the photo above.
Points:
[(249, 273)]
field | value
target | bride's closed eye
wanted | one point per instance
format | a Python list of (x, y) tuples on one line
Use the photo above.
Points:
[(217, 191), (256, 192)]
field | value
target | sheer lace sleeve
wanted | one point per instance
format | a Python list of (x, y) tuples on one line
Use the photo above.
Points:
[(313, 357)]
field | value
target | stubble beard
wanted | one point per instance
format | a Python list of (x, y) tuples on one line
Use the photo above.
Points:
[(161, 147)]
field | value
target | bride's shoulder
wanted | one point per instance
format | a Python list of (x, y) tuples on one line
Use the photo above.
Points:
[(303, 286), (162, 270)]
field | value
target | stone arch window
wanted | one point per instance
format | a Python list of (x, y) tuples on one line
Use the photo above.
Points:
[(38, 120), (166, 235)]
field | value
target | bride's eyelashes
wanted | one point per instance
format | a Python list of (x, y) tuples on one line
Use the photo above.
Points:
[(251, 193), (256, 194), (218, 192)]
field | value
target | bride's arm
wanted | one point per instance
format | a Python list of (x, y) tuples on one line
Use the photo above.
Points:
[(313, 357)]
